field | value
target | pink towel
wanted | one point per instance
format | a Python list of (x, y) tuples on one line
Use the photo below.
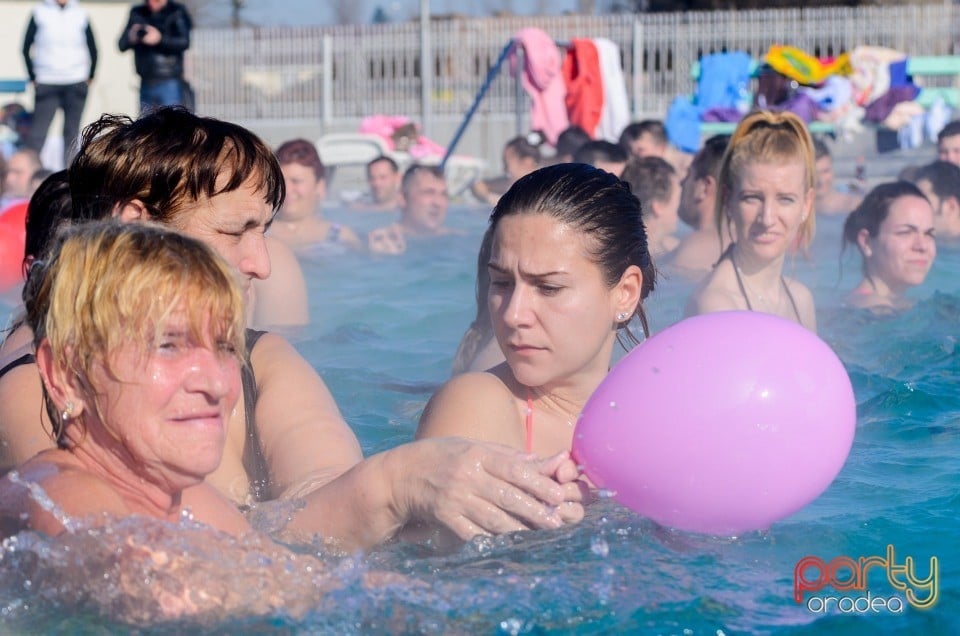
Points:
[(543, 81)]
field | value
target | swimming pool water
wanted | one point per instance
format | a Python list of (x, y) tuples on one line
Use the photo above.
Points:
[(383, 333)]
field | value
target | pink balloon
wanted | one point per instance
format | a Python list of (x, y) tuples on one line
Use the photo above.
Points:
[(723, 423)]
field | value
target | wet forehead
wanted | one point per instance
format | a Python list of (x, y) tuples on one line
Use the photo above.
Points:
[(241, 208), (910, 210), (783, 177), (537, 244)]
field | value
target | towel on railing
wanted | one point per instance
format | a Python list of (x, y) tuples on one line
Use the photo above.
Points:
[(543, 81), (724, 81), (616, 108), (804, 68), (581, 74)]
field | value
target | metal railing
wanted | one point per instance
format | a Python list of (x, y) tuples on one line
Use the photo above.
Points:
[(336, 75)]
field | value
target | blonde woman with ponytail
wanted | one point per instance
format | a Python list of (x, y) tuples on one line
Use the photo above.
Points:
[(765, 204)]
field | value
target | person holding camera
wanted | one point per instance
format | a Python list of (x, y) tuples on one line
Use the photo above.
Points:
[(158, 31)]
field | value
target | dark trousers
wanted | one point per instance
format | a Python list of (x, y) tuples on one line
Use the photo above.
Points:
[(47, 99)]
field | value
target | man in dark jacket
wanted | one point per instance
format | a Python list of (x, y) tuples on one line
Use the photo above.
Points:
[(158, 31)]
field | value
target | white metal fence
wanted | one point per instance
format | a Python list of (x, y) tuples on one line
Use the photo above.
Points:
[(332, 76)]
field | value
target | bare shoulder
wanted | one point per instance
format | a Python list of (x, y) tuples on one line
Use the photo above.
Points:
[(714, 293), (285, 377), (695, 252), (350, 238), (473, 405), (303, 436), (208, 506), (270, 348), (51, 488), (281, 299), (18, 343)]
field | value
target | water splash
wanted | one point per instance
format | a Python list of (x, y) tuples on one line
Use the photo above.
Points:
[(43, 500), (599, 546)]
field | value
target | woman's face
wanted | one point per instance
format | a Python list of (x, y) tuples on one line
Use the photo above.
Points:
[(768, 204), (552, 312), (903, 250), (233, 224), (515, 166), (304, 192), (167, 402)]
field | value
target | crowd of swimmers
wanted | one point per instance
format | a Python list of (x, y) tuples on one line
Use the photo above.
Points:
[(149, 259)]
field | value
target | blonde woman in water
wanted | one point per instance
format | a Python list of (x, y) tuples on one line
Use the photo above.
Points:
[(765, 202)]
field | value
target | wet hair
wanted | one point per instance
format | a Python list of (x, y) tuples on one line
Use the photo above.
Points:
[(570, 140), (167, 159), (480, 330), (599, 205), (820, 149), (706, 163), (944, 178), (875, 207), (418, 168), (385, 159), (873, 211), (108, 284), (768, 138), (652, 127), (49, 206), (952, 129), (651, 179), (523, 149), (303, 153), (597, 151)]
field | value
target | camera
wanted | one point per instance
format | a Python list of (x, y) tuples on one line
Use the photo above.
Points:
[(141, 31)]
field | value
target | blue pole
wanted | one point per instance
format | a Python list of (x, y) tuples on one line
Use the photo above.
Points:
[(491, 75)]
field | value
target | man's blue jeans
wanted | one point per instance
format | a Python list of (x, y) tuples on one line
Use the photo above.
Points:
[(155, 93)]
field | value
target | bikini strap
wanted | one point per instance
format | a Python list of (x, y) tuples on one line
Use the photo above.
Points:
[(27, 358), (254, 460), (793, 303), (743, 290)]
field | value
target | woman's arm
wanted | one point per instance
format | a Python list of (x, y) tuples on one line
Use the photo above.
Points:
[(468, 487), (305, 441)]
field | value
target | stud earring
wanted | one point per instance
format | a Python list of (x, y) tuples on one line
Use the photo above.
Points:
[(621, 316), (67, 412)]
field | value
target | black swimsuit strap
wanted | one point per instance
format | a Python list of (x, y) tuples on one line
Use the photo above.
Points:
[(793, 303), (254, 461), (743, 290), (736, 272), (27, 358)]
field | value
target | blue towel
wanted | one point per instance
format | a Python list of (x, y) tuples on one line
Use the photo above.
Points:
[(724, 80), (683, 124)]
